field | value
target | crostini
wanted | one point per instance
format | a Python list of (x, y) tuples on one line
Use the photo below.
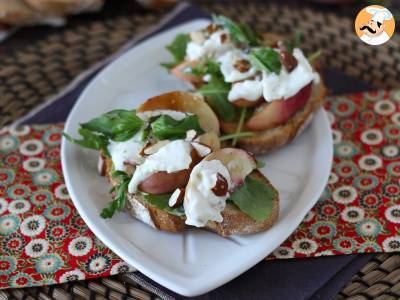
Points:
[(262, 86), (166, 168)]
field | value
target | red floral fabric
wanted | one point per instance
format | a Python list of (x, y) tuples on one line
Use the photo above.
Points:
[(359, 210), (43, 240)]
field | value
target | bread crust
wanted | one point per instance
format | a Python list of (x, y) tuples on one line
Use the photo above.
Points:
[(62, 7), (29, 12), (235, 222), (16, 12), (271, 139)]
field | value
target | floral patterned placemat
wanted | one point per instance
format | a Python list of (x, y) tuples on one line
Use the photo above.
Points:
[(359, 210), (43, 240)]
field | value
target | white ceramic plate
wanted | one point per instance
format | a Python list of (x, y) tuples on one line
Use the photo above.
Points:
[(196, 261)]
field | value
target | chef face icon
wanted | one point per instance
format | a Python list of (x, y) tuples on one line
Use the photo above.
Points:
[(374, 25), (373, 28)]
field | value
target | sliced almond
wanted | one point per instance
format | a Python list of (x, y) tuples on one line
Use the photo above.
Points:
[(145, 146), (197, 37), (288, 60), (201, 149), (191, 135), (223, 38), (129, 168), (242, 65), (151, 149), (101, 165), (221, 186), (176, 198)]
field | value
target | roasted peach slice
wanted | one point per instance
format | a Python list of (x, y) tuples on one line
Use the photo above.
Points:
[(238, 162), (180, 71), (275, 113), (184, 102), (247, 103), (164, 182)]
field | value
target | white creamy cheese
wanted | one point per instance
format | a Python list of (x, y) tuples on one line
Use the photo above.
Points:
[(176, 115), (275, 87), (228, 61), (286, 85), (251, 90), (208, 48), (200, 203), (173, 157), (127, 151)]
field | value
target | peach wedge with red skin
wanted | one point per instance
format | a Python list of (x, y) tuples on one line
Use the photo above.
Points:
[(184, 102), (179, 71), (164, 182), (278, 112), (239, 163)]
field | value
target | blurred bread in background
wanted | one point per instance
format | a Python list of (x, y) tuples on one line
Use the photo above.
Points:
[(62, 7), (30, 12)]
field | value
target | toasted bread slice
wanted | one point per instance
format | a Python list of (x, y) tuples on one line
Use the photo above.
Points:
[(237, 222), (234, 220), (17, 12), (63, 7), (268, 140)]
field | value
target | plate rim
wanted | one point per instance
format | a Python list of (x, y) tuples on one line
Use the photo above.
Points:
[(184, 288)]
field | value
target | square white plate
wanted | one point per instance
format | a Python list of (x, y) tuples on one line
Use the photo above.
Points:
[(196, 261)]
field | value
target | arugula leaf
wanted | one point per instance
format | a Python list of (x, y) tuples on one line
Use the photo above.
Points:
[(210, 67), (260, 164), (294, 42), (178, 50), (161, 202), (165, 127), (216, 93), (314, 56), (239, 126), (145, 134), (238, 135), (241, 34), (254, 198), (120, 198), (252, 36), (266, 59), (90, 140), (118, 125)]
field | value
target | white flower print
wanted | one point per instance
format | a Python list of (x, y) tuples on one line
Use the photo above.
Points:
[(33, 225), (283, 252), (372, 137), (61, 192), (121, 267), (336, 136), (385, 107), (305, 246), (31, 147), (19, 130), (72, 276), (393, 214), (37, 248), (370, 162), (80, 246), (3, 206), (34, 164), (353, 214), (344, 194), (19, 206), (391, 244)]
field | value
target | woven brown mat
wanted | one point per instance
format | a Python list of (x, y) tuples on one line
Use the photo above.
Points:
[(33, 73)]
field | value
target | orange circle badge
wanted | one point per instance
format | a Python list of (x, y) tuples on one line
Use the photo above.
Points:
[(374, 25)]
